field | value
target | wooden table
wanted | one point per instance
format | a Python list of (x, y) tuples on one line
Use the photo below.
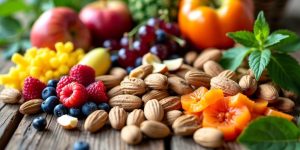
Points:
[(16, 131)]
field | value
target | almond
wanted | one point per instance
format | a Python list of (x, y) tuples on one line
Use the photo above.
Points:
[(95, 121), (149, 59), (141, 71), (134, 86), (117, 117), (131, 134), (157, 81), (136, 117), (173, 64), (248, 85), (67, 122), (10, 96), (154, 129), (228, 74), (209, 137), (154, 94), (31, 107), (153, 110), (284, 104), (186, 125), (109, 81), (228, 86), (117, 90), (267, 92), (159, 68), (126, 101), (179, 85), (190, 57), (209, 54), (118, 72), (264, 76), (198, 78), (184, 69), (289, 94), (212, 68), (171, 116), (170, 103)]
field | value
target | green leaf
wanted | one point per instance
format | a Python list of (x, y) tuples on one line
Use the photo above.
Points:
[(233, 57), (274, 38), (290, 44), (10, 29), (270, 133), (285, 71), (261, 27), (9, 7), (245, 38), (258, 61)]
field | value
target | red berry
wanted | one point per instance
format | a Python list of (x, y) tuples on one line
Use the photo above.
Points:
[(140, 47), (97, 92), (65, 80), (83, 74), (160, 50), (32, 88), (127, 57), (146, 33), (73, 95)]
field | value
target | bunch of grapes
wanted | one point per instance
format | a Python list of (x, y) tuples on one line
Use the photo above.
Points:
[(155, 36)]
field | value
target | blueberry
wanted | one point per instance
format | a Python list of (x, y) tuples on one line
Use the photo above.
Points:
[(114, 59), (161, 36), (39, 123), (138, 62), (49, 104), (81, 145), (129, 69), (104, 106), (75, 112), (47, 92), (60, 110), (52, 83), (88, 108)]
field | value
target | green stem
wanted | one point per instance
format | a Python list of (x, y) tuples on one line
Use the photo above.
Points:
[(178, 40)]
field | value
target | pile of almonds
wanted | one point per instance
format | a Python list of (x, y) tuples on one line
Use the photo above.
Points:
[(147, 101)]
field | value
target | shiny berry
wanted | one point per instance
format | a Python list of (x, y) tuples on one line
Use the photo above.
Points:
[(172, 28), (75, 112), (81, 145), (47, 92), (140, 47), (173, 47), (88, 108), (111, 44), (124, 42), (39, 123), (159, 50), (155, 22), (138, 61), (146, 34), (161, 36), (60, 110), (104, 106), (52, 83), (127, 57), (49, 104)]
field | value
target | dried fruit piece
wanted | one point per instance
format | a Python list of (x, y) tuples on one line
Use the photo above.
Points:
[(228, 86), (109, 81), (157, 81), (153, 110), (126, 101), (141, 71), (170, 103), (248, 85), (209, 54), (118, 72), (154, 94), (134, 86), (95, 121), (272, 112), (198, 78), (190, 57), (117, 117), (136, 117), (267, 92), (171, 116), (173, 64), (154, 129), (186, 125), (31, 107), (115, 91), (179, 85), (131, 134), (10, 96), (67, 122), (212, 68), (209, 137)]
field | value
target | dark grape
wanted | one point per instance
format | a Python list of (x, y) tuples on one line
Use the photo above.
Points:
[(111, 44), (140, 47), (172, 28), (161, 36), (146, 33), (124, 42), (160, 50), (155, 22), (126, 57)]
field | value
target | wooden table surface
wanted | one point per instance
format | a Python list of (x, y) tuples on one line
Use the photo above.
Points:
[(16, 132)]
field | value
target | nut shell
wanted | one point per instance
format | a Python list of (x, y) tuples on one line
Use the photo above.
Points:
[(117, 90), (248, 85), (141, 71), (131, 134), (154, 94), (198, 78), (170, 103), (126, 101), (95, 121), (157, 81), (136, 117), (228, 74), (117, 117), (208, 54), (267, 92), (154, 129), (209, 137), (185, 125), (171, 116), (228, 86), (10, 96), (153, 110), (212, 68), (109, 81), (31, 107), (118, 72), (133, 86), (179, 85)]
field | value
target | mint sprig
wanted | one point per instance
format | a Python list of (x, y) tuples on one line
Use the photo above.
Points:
[(266, 50)]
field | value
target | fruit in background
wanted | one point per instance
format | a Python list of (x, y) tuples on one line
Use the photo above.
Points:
[(59, 24), (32, 89), (98, 59), (142, 10), (106, 20), (206, 24), (83, 74)]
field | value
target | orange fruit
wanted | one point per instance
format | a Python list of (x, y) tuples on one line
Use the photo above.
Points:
[(272, 112)]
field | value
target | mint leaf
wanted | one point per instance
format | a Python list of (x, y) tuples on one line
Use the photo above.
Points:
[(261, 28), (290, 44), (274, 38), (10, 28), (233, 57), (270, 133), (285, 71), (245, 38), (10, 7), (258, 60)]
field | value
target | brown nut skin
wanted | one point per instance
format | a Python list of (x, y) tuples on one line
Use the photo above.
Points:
[(131, 135), (155, 129), (248, 85), (209, 137)]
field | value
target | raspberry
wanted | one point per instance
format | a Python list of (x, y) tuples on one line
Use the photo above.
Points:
[(63, 82), (32, 88), (97, 92), (83, 74), (73, 95)]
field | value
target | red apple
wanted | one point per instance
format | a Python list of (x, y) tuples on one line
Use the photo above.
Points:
[(106, 19), (60, 24)]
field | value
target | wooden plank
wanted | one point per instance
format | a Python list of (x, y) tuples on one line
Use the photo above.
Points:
[(55, 137)]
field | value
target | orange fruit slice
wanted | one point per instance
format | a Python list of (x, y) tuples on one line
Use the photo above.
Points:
[(272, 112)]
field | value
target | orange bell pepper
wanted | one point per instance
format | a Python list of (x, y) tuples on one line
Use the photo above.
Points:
[(206, 26)]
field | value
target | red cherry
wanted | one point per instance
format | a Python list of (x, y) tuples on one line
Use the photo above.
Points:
[(172, 28), (146, 33), (127, 57), (111, 44), (160, 50), (140, 47)]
